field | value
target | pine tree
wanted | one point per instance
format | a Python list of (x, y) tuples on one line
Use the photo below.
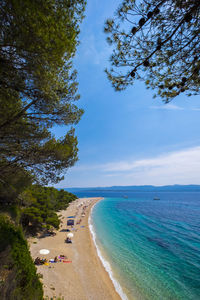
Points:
[(38, 40), (158, 42)]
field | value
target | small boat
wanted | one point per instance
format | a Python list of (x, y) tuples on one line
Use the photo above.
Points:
[(156, 198), (125, 196)]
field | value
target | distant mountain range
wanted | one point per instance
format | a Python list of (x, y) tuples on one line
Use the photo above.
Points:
[(142, 188)]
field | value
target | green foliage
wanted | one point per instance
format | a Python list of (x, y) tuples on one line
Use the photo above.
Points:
[(13, 211), (25, 283), (38, 41), (41, 207), (158, 42), (13, 184), (32, 215), (36, 210)]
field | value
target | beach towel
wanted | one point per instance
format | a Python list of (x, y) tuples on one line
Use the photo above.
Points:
[(52, 261), (60, 257), (67, 261)]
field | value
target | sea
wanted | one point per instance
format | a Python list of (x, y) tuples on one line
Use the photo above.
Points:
[(150, 248)]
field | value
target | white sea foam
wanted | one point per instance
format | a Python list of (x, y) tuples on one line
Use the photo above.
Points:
[(105, 263)]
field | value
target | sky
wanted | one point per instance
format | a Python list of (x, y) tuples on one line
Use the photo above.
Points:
[(128, 138)]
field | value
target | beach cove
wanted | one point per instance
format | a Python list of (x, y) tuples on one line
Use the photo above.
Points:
[(83, 275)]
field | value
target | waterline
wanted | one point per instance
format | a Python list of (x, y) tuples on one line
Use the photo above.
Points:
[(105, 263)]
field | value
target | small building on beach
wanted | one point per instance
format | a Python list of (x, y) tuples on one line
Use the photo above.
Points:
[(70, 222)]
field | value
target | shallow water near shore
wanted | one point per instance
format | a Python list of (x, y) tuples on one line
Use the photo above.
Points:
[(153, 247)]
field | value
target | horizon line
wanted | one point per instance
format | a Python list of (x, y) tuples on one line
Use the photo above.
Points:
[(144, 185)]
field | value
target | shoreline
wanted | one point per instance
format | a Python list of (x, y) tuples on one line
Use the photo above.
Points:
[(84, 276), (104, 262)]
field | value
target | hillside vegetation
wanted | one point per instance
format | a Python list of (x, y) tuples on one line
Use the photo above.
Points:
[(34, 213), (18, 278), (40, 205), (38, 91)]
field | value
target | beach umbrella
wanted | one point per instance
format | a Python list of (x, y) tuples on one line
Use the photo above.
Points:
[(70, 235), (44, 251)]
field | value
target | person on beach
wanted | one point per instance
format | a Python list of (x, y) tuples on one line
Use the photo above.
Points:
[(37, 261), (68, 240)]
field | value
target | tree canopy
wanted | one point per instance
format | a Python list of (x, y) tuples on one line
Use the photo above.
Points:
[(38, 40), (157, 41), (20, 279), (39, 206)]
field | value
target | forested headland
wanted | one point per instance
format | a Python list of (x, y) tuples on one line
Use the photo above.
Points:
[(38, 41)]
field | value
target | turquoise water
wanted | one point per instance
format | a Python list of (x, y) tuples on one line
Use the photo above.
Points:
[(153, 247)]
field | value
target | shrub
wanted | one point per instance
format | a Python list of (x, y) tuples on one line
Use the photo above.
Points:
[(25, 283)]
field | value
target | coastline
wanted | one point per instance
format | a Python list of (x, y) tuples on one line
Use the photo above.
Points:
[(84, 277), (104, 262)]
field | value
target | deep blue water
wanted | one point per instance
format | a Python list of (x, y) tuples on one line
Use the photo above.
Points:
[(153, 246)]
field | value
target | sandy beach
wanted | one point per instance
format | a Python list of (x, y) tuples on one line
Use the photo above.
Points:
[(82, 276)]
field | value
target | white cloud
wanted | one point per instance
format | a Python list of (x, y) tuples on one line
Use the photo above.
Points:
[(181, 167), (186, 156), (195, 109), (168, 106)]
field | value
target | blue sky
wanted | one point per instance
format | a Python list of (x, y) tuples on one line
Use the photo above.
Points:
[(128, 138)]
